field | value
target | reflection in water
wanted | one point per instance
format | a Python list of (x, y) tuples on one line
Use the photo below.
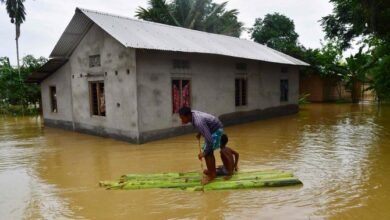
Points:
[(340, 152), (23, 193)]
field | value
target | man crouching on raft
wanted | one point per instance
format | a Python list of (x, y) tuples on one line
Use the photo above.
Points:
[(211, 128)]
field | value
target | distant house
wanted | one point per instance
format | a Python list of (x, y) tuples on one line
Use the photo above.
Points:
[(323, 89), (124, 78), (331, 89)]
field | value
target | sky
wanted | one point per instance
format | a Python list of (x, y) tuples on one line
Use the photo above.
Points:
[(47, 19)]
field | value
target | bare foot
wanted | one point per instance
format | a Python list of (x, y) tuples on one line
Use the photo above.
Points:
[(206, 180), (227, 177)]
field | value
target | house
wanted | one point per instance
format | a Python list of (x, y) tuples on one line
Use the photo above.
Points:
[(123, 78), (332, 89), (323, 89)]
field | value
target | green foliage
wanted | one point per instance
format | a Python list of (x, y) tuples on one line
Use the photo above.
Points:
[(303, 99), (15, 10), (14, 92), (203, 15), (354, 18), (18, 110), (324, 62), (379, 74), (276, 31), (370, 21), (353, 71)]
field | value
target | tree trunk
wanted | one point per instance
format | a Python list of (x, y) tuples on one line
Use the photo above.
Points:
[(17, 31), (17, 58), (40, 110), (355, 93)]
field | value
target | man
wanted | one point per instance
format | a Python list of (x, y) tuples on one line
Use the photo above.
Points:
[(211, 128)]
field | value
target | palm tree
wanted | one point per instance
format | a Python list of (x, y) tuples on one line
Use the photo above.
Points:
[(203, 15), (17, 13), (159, 11)]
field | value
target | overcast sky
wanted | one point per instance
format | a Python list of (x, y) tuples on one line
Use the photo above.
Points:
[(46, 20)]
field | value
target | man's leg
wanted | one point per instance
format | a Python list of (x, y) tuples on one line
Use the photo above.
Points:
[(210, 163)]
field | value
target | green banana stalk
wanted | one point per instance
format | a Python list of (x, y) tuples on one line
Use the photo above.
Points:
[(191, 181)]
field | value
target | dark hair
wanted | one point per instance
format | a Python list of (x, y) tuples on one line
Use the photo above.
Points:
[(185, 111), (224, 140)]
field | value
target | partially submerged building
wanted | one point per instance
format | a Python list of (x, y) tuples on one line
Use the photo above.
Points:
[(123, 78)]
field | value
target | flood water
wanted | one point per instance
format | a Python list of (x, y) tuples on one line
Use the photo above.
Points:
[(340, 152)]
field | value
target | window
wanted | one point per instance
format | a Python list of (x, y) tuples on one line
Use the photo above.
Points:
[(181, 91), (94, 60), (241, 66), (53, 99), (97, 98), (284, 90), (241, 91), (181, 64)]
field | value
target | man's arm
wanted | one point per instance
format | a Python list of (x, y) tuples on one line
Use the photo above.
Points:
[(236, 156)]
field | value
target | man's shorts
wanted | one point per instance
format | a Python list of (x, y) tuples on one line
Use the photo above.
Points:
[(222, 171), (216, 136)]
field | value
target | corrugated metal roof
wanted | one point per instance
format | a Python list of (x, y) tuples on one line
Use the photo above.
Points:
[(149, 35), (74, 32), (46, 70)]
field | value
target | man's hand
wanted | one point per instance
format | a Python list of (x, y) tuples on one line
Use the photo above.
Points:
[(198, 136), (200, 156)]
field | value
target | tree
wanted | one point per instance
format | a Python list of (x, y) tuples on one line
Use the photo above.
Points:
[(203, 15), (13, 91), (354, 70), (369, 20), (278, 32), (354, 18), (379, 73), (17, 13)]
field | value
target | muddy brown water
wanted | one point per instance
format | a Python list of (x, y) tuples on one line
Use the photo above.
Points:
[(340, 152)]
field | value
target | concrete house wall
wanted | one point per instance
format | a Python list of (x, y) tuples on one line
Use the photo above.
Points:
[(212, 89), (61, 79), (117, 70), (138, 93)]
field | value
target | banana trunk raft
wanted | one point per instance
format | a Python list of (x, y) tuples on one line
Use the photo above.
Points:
[(191, 181)]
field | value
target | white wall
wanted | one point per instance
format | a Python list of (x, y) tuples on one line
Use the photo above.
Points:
[(73, 84), (61, 80), (119, 88), (212, 84)]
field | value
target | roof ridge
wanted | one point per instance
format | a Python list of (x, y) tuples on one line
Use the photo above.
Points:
[(192, 41), (160, 24)]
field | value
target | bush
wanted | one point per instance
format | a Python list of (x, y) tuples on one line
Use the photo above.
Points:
[(18, 110), (303, 99)]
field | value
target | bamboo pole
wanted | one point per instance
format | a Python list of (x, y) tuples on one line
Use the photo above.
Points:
[(201, 163)]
